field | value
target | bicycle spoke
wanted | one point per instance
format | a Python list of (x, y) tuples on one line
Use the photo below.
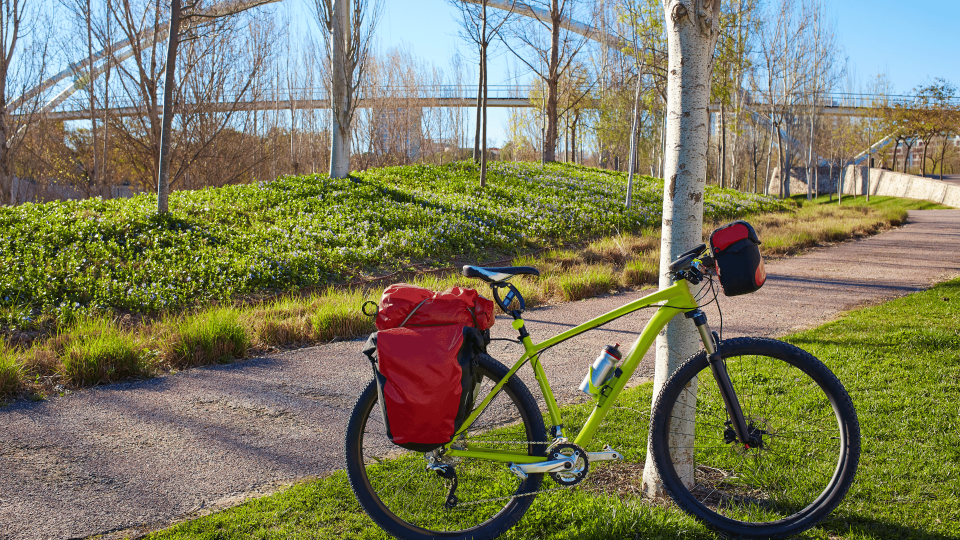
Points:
[(787, 413), (407, 491)]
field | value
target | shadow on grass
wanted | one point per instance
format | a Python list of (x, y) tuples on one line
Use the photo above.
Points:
[(860, 526)]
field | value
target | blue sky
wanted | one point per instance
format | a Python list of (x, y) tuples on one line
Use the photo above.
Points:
[(911, 41)]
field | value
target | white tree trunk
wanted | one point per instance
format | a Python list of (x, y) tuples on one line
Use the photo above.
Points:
[(633, 140), (810, 163), (340, 91), (163, 174), (692, 30)]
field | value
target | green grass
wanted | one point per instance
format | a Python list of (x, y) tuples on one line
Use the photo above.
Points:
[(97, 352), (302, 232), (882, 202), (212, 233), (588, 282), (295, 319), (216, 335), (900, 361), (820, 222), (901, 364), (11, 371)]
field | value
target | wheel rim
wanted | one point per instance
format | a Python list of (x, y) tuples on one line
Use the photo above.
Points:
[(414, 497), (799, 457)]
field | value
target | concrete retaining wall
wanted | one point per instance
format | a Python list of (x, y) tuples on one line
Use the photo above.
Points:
[(26, 190), (894, 184), (798, 180)]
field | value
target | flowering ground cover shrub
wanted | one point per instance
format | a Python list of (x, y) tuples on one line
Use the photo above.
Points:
[(69, 257)]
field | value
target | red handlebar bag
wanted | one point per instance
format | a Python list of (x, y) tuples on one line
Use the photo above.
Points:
[(736, 251), (423, 356)]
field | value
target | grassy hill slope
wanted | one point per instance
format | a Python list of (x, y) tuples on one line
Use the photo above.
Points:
[(63, 257)]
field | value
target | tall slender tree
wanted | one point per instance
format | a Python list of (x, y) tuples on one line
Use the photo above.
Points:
[(347, 33), (692, 31), (553, 50), (201, 17), (482, 25)]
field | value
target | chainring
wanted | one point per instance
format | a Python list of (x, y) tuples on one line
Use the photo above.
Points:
[(574, 476)]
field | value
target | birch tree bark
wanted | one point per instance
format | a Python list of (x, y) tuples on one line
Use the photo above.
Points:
[(692, 31), (340, 95)]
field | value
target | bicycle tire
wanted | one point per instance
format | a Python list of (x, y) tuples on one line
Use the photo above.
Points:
[(374, 465), (810, 440)]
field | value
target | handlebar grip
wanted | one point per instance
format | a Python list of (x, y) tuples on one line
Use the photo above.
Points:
[(686, 258)]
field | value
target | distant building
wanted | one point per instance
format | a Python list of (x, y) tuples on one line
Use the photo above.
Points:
[(916, 151), (28, 190)]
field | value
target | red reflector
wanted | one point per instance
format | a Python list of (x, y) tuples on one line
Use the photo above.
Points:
[(761, 276)]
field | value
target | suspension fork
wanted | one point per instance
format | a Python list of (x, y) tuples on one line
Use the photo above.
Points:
[(711, 344)]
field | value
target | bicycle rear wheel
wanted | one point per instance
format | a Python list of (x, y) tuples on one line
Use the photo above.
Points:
[(408, 500), (808, 432)]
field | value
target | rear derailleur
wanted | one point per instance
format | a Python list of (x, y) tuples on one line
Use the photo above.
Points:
[(447, 472)]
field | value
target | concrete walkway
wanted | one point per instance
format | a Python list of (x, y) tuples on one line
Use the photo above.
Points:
[(143, 454)]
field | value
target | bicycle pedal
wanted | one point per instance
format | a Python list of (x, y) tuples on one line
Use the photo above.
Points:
[(607, 454)]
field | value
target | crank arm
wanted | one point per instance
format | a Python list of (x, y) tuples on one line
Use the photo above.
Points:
[(608, 454), (557, 465)]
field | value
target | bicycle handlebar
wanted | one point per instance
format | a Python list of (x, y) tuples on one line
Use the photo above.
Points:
[(686, 258)]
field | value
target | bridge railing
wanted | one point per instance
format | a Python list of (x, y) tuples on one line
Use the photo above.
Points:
[(465, 95), (78, 102)]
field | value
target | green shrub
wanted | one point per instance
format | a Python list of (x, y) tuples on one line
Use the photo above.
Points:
[(99, 352), (206, 338), (11, 373)]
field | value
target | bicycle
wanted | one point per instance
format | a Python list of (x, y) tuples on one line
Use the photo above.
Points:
[(772, 447)]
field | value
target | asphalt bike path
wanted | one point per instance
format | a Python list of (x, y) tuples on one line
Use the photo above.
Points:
[(135, 456)]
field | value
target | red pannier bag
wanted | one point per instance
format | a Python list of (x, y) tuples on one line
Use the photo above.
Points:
[(423, 355), (736, 251)]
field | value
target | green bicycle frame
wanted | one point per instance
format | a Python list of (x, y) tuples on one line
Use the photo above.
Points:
[(673, 300)]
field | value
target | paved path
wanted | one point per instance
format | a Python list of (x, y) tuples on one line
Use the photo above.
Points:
[(143, 454)]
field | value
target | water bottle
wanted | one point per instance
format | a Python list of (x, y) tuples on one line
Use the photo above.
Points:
[(601, 370)]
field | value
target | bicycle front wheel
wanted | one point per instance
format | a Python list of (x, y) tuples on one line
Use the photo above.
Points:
[(806, 450), (409, 500)]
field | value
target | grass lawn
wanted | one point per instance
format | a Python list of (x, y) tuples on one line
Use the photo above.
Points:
[(900, 361), (94, 291), (876, 201), (46, 352)]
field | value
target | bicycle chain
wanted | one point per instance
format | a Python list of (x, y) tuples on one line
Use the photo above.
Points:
[(511, 442), (506, 497)]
